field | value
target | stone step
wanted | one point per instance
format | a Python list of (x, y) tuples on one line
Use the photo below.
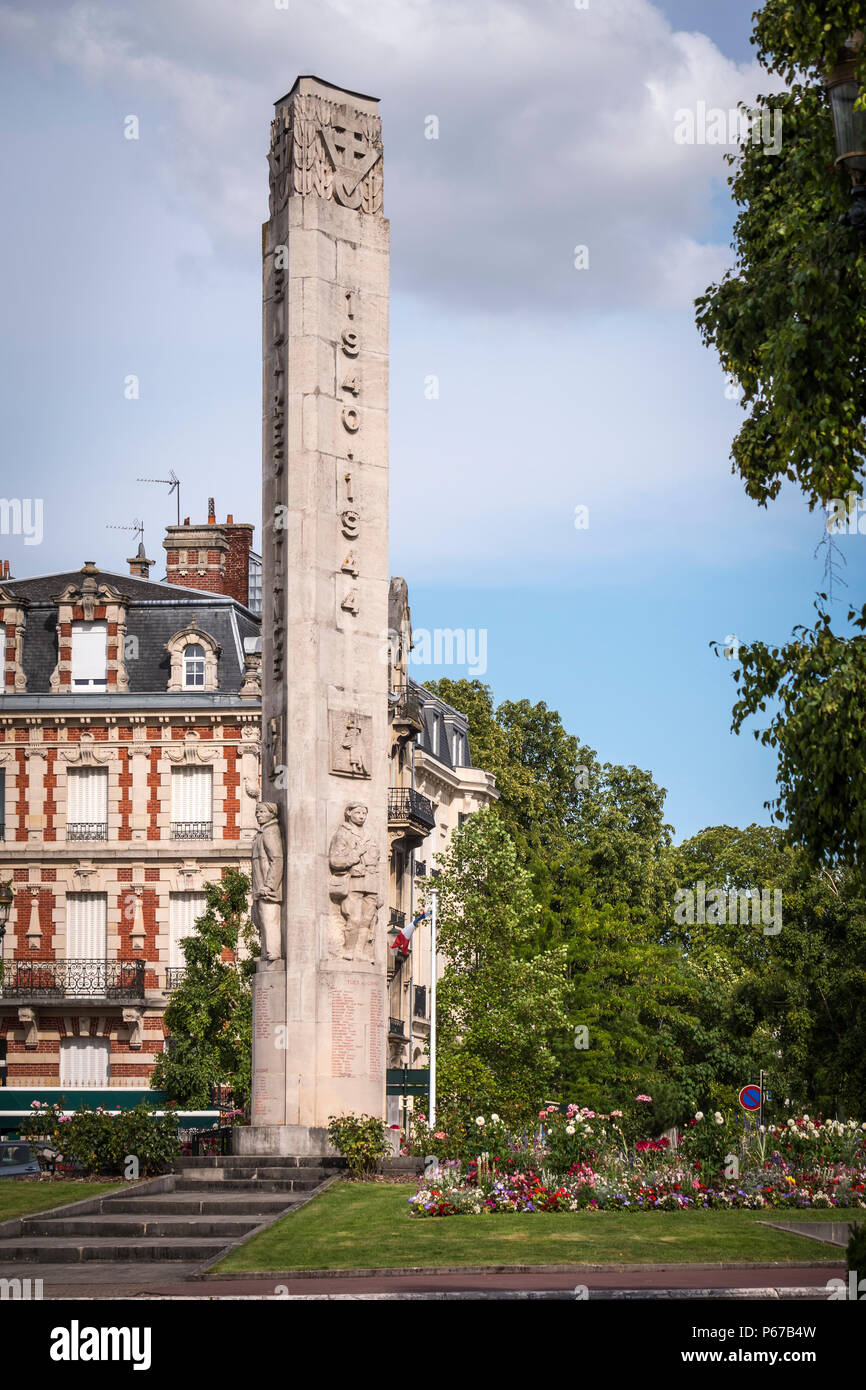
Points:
[(250, 1173), (262, 1204), (140, 1226), (272, 1185), (51, 1250), (261, 1161)]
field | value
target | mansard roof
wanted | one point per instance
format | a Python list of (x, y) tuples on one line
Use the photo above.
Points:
[(452, 719), (155, 613)]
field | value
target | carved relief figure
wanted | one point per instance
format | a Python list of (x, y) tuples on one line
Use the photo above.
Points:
[(268, 860), (354, 861), (351, 736)]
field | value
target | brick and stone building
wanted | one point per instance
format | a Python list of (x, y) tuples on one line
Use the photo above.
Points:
[(130, 749)]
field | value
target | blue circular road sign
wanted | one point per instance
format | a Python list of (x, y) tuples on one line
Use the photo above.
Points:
[(750, 1098)]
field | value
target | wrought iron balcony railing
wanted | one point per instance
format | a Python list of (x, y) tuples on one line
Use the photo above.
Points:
[(192, 830), (396, 918), (420, 1001), (87, 830), (2, 830), (408, 806), (174, 975), (397, 1027), (407, 708), (73, 979)]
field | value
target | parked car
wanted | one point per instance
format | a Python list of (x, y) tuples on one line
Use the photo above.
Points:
[(18, 1160)]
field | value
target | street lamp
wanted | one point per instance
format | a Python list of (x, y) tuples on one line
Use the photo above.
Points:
[(6, 899), (850, 126)]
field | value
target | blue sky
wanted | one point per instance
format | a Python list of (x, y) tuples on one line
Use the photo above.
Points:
[(557, 387)]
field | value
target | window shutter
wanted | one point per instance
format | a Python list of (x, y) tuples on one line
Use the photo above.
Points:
[(192, 794), (184, 909), (86, 926), (87, 795), (84, 1061), (89, 653)]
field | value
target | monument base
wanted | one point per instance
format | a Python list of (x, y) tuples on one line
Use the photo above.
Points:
[(287, 1141)]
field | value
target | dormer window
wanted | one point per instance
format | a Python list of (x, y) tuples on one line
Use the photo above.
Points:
[(194, 657), (434, 735), (456, 748), (193, 667), (89, 656)]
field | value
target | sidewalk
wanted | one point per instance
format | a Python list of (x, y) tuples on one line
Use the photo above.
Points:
[(762, 1281)]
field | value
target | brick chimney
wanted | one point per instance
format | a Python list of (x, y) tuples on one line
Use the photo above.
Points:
[(139, 565), (214, 556)]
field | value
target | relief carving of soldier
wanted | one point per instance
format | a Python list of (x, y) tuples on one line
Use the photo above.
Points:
[(268, 859), (355, 885)]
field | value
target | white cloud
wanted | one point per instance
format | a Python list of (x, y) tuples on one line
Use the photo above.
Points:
[(556, 129)]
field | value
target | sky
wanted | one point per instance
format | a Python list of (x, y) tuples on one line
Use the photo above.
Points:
[(560, 437)]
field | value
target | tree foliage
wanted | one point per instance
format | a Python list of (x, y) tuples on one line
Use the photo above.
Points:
[(498, 1008), (209, 1015)]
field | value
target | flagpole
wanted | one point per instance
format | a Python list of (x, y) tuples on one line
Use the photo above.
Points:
[(435, 902)]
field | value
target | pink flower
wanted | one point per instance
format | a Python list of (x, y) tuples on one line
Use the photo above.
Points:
[(440, 1135), (648, 1099), (551, 1109), (36, 1105), (542, 1114)]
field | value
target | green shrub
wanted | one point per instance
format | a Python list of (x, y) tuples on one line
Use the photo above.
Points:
[(102, 1143), (361, 1139), (857, 1250)]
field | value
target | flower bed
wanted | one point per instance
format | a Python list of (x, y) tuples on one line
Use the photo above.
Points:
[(581, 1161)]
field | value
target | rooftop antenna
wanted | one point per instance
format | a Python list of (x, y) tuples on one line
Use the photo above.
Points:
[(137, 527), (172, 483)]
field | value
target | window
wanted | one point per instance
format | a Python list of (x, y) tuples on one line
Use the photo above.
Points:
[(434, 735), (86, 926), (255, 584), (192, 803), (84, 1061), (87, 803), (89, 655), (193, 666), (3, 655), (2, 803), (184, 909), (457, 748)]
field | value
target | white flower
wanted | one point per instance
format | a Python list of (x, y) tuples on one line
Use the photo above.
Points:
[(569, 1129), (719, 1119), (699, 1114), (494, 1119), (479, 1119)]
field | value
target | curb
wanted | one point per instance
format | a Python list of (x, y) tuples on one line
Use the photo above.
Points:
[(768, 1294), (398, 1272)]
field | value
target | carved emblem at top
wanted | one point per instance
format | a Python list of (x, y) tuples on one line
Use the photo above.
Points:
[(330, 151)]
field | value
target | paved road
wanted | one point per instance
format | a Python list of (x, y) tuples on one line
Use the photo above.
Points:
[(171, 1281)]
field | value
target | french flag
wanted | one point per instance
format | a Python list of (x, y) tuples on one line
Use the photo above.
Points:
[(402, 939)]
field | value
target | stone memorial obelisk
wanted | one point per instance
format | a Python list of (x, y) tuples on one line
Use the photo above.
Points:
[(320, 987)]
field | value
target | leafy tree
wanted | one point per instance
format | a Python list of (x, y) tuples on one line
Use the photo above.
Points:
[(810, 994), (209, 1015), (789, 324), (818, 680), (498, 1010), (571, 817), (789, 320)]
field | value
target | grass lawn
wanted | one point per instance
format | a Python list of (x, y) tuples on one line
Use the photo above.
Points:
[(18, 1197), (366, 1225)]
